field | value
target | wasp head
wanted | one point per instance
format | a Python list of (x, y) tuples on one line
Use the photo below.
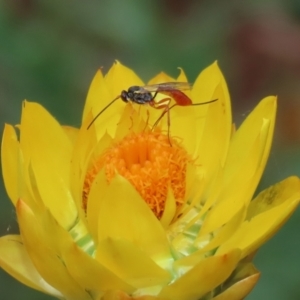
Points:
[(125, 96)]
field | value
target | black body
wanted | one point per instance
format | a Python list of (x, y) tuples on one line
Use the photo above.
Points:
[(137, 95)]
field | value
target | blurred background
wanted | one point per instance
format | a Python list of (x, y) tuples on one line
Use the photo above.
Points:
[(50, 51)]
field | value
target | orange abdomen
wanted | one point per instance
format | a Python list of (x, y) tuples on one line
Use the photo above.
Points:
[(179, 97)]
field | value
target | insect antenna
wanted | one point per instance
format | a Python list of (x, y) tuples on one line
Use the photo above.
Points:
[(99, 113), (207, 102)]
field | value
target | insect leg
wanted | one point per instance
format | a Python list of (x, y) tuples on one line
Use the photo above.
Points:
[(169, 122), (165, 105), (147, 120), (166, 109), (131, 116)]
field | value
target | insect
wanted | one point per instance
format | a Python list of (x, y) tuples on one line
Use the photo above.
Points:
[(143, 95)]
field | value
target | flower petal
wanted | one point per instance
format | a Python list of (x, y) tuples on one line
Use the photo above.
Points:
[(239, 290), (86, 151), (254, 232), (72, 133), (123, 205), (213, 120), (46, 146), (97, 97), (130, 122), (161, 77), (117, 79), (240, 282), (121, 78), (182, 124), (83, 149), (246, 160), (182, 76), (97, 192), (214, 142), (232, 196), (210, 85), (169, 210), (91, 275), (224, 233), (202, 278), (46, 242), (15, 260), (274, 196), (11, 161), (119, 295), (261, 120), (130, 263)]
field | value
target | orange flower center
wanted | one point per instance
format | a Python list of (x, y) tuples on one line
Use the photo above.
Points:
[(149, 163)]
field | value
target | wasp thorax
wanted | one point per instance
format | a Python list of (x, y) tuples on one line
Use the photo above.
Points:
[(149, 163)]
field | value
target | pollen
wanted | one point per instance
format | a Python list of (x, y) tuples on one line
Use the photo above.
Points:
[(149, 163)]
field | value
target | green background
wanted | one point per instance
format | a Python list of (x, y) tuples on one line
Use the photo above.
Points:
[(50, 50)]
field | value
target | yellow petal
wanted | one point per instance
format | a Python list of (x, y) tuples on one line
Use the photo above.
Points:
[(11, 160), (72, 133), (97, 97), (194, 190), (214, 141), (42, 135), (49, 150), (90, 274), (202, 278), (224, 233), (239, 290), (182, 76), (121, 78), (116, 295), (119, 295), (45, 243), (169, 210), (240, 282), (130, 122), (86, 150), (253, 233), (161, 78), (203, 90), (243, 169), (233, 195), (206, 83), (261, 120), (123, 205), (97, 189), (96, 194), (214, 120), (273, 196), (182, 126), (83, 149), (15, 260), (117, 79), (130, 263)]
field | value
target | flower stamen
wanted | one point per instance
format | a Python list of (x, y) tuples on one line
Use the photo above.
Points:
[(149, 163)]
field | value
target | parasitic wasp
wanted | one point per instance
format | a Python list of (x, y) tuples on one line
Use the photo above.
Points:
[(143, 95)]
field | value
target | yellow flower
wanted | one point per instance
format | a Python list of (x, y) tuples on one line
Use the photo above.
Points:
[(125, 211)]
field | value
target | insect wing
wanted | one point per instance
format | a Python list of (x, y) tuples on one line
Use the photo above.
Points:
[(166, 86)]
